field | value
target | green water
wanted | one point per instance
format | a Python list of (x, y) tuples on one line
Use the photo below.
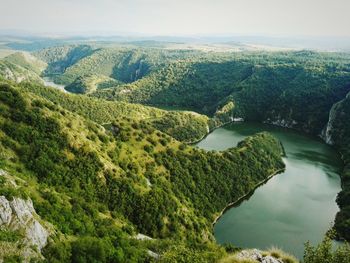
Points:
[(292, 207)]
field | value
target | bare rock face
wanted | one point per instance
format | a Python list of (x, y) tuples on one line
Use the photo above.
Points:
[(5, 211), (270, 259), (22, 210), (256, 255), (253, 254), (326, 133), (18, 216)]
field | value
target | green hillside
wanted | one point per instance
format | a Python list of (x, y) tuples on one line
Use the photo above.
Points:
[(89, 83), (112, 166), (184, 126), (62, 57), (126, 65), (259, 84), (14, 72), (97, 185), (27, 61)]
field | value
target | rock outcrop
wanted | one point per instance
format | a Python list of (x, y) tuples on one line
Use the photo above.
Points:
[(326, 133), (256, 255), (17, 215)]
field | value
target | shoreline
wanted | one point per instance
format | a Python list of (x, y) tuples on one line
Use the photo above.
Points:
[(240, 199), (210, 131), (230, 205)]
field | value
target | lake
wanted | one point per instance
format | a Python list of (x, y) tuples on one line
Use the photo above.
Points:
[(292, 207)]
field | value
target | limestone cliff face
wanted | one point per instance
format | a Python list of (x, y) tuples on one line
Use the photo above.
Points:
[(18, 216), (326, 133)]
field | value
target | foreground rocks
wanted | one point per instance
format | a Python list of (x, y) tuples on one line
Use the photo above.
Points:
[(257, 255), (25, 232)]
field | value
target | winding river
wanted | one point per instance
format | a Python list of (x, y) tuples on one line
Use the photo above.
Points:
[(292, 207), (49, 83)]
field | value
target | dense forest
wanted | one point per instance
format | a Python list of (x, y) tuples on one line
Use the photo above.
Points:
[(104, 165)]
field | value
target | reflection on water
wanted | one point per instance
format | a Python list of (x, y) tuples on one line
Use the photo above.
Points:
[(49, 83), (293, 207)]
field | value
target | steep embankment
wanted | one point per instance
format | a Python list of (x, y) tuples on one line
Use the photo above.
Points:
[(337, 133), (58, 59), (98, 185), (16, 73), (197, 84), (21, 66), (259, 84), (27, 61)]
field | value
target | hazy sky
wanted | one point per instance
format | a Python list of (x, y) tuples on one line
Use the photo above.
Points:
[(179, 17)]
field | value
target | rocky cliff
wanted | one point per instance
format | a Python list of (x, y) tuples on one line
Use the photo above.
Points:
[(22, 233)]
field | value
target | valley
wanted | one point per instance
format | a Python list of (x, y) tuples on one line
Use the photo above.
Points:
[(100, 138)]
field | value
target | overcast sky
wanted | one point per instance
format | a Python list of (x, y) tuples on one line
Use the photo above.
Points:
[(179, 17)]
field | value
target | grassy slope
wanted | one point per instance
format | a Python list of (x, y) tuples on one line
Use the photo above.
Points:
[(14, 72), (27, 61), (90, 83), (184, 126), (21, 66)]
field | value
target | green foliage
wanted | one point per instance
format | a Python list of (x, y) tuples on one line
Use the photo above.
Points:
[(14, 72), (112, 248), (339, 136), (91, 249), (60, 58), (294, 86), (324, 252), (89, 83), (184, 126), (67, 63), (58, 252), (27, 61), (9, 236), (13, 259), (183, 254)]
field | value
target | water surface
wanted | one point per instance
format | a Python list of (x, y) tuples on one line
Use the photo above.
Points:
[(49, 83), (291, 208)]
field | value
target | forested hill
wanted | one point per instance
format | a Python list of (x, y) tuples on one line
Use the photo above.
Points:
[(297, 87), (67, 63), (185, 126), (100, 185)]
